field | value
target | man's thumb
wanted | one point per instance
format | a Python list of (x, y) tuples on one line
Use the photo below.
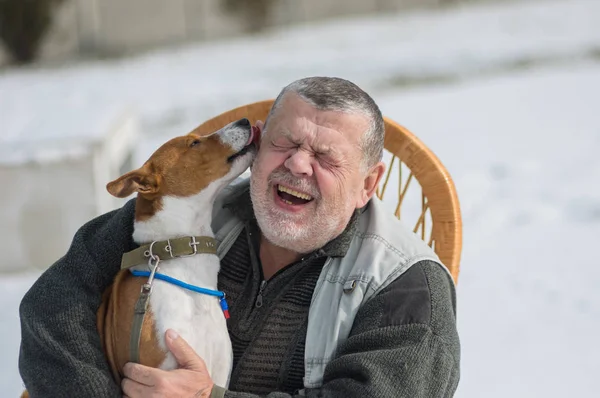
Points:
[(184, 354)]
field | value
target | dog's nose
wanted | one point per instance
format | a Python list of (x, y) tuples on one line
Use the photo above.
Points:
[(242, 123)]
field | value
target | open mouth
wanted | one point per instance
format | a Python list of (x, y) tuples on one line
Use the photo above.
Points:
[(292, 197), (240, 153)]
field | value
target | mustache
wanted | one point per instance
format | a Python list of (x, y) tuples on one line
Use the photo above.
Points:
[(284, 177)]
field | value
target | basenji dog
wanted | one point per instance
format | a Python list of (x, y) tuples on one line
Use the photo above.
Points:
[(170, 281)]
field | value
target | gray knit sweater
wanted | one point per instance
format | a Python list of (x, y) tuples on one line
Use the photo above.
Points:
[(404, 341)]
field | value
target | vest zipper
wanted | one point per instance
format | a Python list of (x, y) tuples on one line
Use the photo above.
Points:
[(259, 298)]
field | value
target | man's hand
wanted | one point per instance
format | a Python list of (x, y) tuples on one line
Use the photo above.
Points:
[(191, 379)]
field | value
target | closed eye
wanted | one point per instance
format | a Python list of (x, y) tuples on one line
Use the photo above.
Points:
[(285, 143), (288, 146), (328, 160)]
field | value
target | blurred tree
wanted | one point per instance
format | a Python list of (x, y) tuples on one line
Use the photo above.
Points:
[(255, 12), (23, 25)]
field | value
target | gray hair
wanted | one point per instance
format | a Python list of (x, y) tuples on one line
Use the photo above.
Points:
[(336, 94)]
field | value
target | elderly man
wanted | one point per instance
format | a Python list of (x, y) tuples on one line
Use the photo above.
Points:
[(329, 296)]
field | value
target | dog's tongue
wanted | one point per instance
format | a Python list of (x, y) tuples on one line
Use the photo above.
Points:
[(254, 136)]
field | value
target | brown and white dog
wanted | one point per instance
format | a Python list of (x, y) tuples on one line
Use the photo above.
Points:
[(176, 189)]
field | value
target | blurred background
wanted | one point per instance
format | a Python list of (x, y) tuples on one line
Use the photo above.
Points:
[(505, 93)]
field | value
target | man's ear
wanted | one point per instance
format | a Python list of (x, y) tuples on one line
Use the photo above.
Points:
[(260, 125), (139, 180), (371, 182)]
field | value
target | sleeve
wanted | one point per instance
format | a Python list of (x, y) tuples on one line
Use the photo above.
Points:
[(60, 353), (404, 343)]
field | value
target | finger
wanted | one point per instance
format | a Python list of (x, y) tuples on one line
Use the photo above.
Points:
[(140, 373), (184, 354), (133, 389)]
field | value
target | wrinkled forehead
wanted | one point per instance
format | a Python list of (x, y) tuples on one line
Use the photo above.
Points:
[(296, 117), (323, 127)]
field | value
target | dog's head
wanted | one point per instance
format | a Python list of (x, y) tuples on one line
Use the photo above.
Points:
[(191, 166)]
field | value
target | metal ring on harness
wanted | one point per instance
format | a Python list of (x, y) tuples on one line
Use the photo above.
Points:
[(152, 257), (153, 268)]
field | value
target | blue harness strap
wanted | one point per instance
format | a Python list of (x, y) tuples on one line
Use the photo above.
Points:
[(193, 288)]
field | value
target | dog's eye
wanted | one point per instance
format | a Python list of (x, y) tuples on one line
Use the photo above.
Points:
[(194, 143)]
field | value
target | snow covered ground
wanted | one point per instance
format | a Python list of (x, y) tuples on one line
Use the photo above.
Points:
[(175, 90), (521, 147), (523, 152)]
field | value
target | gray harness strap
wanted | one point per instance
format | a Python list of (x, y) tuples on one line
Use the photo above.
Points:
[(140, 309), (139, 313)]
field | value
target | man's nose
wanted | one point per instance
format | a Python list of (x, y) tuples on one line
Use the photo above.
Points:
[(299, 164)]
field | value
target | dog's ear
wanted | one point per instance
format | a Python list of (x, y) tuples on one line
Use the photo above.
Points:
[(139, 180)]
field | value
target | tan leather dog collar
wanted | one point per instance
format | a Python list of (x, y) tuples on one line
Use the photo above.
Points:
[(172, 248)]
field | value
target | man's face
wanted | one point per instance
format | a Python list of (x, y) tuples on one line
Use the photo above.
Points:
[(307, 178)]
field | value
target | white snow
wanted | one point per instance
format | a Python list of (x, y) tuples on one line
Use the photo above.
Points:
[(12, 289), (175, 90), (521, 147), (45, 127), (523, 153)]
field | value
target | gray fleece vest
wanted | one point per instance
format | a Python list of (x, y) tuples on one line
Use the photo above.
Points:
[(381, 250)]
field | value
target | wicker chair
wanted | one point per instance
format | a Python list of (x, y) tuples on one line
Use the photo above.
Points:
[(437, 218)]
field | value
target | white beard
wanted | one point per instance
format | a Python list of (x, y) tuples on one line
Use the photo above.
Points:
[(280, 229)]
